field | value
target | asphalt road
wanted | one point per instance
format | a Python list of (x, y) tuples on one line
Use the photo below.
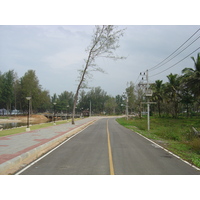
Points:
[(108, 148)]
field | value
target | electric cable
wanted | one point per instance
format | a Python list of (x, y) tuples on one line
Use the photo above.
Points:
[(158, 65), (176, 63), (177, 54)]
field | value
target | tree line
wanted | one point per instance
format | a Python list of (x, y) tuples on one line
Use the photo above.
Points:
[(180, 95), (14, 90)]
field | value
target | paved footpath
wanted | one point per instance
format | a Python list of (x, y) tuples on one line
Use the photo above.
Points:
[(20, 149)]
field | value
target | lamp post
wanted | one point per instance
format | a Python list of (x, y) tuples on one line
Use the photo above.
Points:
[(67, 109), (28, 115), (90, 108), (54, 113)]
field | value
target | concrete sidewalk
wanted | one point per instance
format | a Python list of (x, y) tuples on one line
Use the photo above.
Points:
[(18, 150)]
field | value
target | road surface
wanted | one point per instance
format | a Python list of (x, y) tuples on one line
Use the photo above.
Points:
[(106, 148)]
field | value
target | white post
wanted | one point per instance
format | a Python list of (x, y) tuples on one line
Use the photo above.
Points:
[(90, 108), (148, 121)]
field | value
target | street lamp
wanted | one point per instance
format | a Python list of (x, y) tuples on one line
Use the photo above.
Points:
[(28, 115), (90, 108), (54, 113)]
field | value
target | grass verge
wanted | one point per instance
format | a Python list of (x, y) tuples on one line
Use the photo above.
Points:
[(173, 134), (32, 127)]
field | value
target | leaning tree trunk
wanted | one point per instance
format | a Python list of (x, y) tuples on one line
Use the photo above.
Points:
[(79, 86), (104, 42)]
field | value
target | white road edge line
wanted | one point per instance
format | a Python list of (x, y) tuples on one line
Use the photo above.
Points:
[(28, 166), (168, 151)]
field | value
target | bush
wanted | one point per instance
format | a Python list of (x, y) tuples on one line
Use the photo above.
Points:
[(195, 145)]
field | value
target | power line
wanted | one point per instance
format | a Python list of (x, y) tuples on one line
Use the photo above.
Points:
[(159, 64), (176, 54), (137, 80), (176, 63)]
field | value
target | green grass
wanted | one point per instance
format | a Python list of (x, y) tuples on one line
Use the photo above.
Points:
[(176, 135), (33, 127), (4, 117)]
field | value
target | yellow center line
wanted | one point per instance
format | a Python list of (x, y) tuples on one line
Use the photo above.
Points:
[(110, 153)]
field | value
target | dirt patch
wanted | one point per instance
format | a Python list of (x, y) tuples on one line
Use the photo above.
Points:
[(33, 118), (5, 121)]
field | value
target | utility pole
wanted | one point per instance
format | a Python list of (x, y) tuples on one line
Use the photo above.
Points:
[(126, 97), (127, 107), (148, 93)]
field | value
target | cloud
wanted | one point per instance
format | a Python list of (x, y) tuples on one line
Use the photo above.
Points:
[(57, 52)]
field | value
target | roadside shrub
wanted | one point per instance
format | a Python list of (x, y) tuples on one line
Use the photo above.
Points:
[(190, 135), (168, 133), (195, 145), (196, 161)]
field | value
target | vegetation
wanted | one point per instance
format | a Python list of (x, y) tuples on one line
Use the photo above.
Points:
[(176, 111), (103, 44), (33, 127), (175, 135), (180, 96), (13, 93)]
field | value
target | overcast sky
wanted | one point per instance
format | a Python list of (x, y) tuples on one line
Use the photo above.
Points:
[(56, 53)]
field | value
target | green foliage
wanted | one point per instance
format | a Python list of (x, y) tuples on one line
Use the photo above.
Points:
[(195, 160), (110, 105), (64, 102), (13, 92), (175, 133), (195, 145), (7, 89), (33, 127)]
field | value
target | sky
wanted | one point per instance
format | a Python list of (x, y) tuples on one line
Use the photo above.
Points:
[(32, 37), (57, 52)]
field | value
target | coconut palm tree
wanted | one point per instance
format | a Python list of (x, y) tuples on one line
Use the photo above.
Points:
[(192, 76), (158, 94), (172, 88)]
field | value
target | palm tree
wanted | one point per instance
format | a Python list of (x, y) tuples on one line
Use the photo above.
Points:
[(192, 76), (173, 90), (158, 94)]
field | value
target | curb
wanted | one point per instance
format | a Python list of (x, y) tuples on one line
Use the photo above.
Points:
[(15, 164)]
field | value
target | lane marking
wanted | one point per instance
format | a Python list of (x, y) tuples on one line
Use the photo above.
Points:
[(40, 158), (167, 151), (110, 152)]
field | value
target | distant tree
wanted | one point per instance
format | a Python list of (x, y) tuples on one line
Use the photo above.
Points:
[(173, 92), (130, 90), (98, 97), (54, 98), (139, 94), (158, 93), (44, 101), (84, 101), (192, 76), (110, 105), (120, 104), (104, 42), (30, 87), (1, 89), (64, 101), (8, 89)]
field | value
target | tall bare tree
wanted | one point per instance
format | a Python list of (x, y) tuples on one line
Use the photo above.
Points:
[(105, 41)]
